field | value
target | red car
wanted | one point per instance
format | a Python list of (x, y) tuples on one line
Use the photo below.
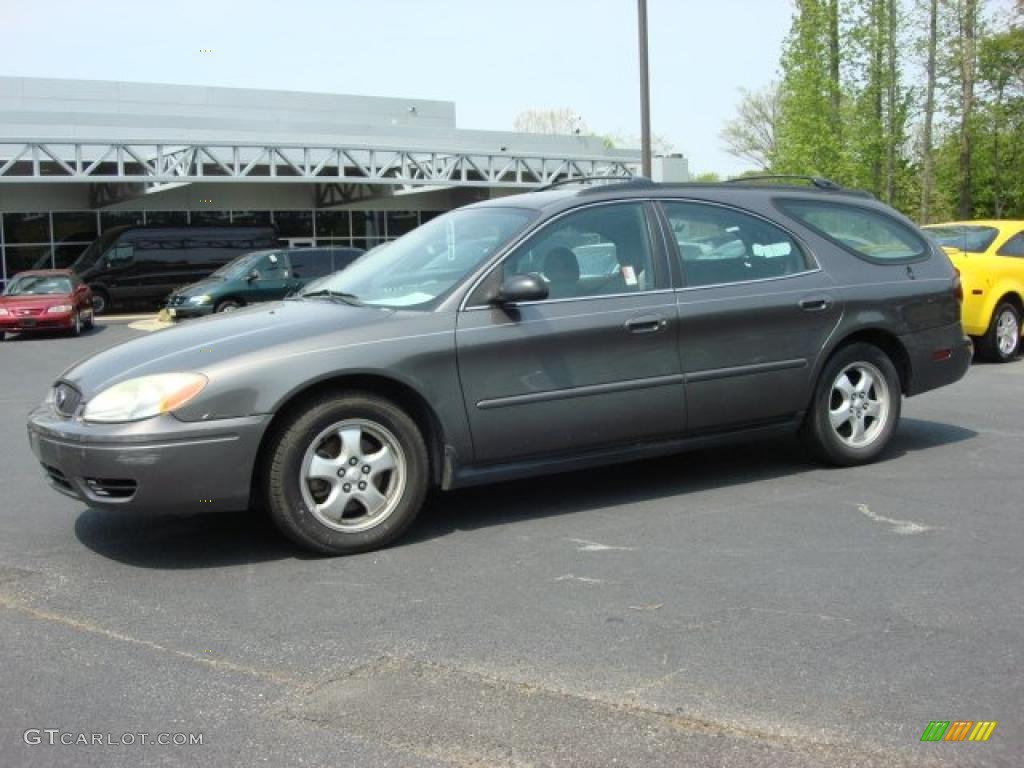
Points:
[(44, 300)]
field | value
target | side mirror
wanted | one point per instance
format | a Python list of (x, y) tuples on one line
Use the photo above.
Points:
[(254, 275), (518, 288)]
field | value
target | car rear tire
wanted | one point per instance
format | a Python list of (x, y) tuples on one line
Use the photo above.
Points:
[(855, 409), (1002, 339), (100, 302), (348, 474), (228, 305)]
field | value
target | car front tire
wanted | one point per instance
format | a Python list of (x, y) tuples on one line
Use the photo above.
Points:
[(347, 474), (228, 305), (856, 407), (1002, 339)]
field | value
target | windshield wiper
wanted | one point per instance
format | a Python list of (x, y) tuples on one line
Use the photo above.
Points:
[(348, 298)]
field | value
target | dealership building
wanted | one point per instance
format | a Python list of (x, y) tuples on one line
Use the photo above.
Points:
[(78, 157)]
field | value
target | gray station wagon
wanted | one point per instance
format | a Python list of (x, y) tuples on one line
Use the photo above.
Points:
[(545, 332)]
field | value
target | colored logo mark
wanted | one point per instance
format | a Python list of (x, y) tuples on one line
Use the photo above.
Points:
[(958, 730)]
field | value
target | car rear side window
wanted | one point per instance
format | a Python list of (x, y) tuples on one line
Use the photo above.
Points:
[(864, 232), (310, 262), (1013, 247), (718, 245)]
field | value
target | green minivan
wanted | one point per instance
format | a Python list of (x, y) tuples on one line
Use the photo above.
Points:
[(257, 276)]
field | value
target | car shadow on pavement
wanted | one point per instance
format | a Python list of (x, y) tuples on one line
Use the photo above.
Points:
[(638, 482), (210, 540), (224, 539), (14, 336)]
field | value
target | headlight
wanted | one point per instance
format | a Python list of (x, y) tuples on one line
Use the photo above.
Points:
[(144, 397), (59, 308), (3, 312), (199, 299)]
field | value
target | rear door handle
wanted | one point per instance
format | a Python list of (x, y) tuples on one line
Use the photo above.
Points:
[(815, 304), (647, 324)]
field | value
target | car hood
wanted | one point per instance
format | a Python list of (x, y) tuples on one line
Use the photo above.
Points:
[(219, 341), (209, 285)]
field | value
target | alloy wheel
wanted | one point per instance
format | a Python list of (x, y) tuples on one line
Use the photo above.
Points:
[(353, 475), (859, 404)]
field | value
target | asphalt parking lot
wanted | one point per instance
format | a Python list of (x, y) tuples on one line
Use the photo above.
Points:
[(736, 607)]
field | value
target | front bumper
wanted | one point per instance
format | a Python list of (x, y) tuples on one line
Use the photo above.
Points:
[(43, 322), (189, 311), (160, 465)]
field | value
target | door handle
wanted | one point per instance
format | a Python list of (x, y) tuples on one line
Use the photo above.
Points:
[(648, 324), (815, 305)]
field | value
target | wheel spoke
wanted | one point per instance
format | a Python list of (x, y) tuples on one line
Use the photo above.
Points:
[(874, 409), (334, 505), (324, 468), (840, 416), (351, 443), (372, 499), (858, 431), (381, 461), (844, 385), (866, 382)]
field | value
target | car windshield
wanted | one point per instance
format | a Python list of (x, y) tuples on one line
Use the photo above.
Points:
[(424, 264), (969, 239), (241, 265), (97, 248), (38, 285)]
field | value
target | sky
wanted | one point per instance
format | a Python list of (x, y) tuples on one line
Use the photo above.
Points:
[(493, 58)]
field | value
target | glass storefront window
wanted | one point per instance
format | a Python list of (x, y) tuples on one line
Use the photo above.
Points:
[(400, 222), (294, 223), (333, 224), (209, 218), (167, 218), (110, 219), (27, 227), (75, 226), (368, 224), (250, 217), (18, 258)]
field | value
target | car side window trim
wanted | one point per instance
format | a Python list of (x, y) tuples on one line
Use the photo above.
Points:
[(658, 253)]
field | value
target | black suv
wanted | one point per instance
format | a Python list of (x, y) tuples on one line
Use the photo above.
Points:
[(565, 328)]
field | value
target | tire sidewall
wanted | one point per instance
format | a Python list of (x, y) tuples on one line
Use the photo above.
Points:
[(993, 340), (285, 500), (227, 305), (823, 438), (104, 302)]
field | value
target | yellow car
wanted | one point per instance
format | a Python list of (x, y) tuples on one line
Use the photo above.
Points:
[(990, 257)]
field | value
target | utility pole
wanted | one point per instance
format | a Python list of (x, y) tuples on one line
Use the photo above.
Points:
[(645, 92)]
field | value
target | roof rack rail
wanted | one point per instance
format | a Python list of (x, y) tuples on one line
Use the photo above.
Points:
[(815, 181), (639, 180)]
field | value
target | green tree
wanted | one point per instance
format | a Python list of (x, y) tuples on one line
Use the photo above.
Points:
[(808, 139)]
